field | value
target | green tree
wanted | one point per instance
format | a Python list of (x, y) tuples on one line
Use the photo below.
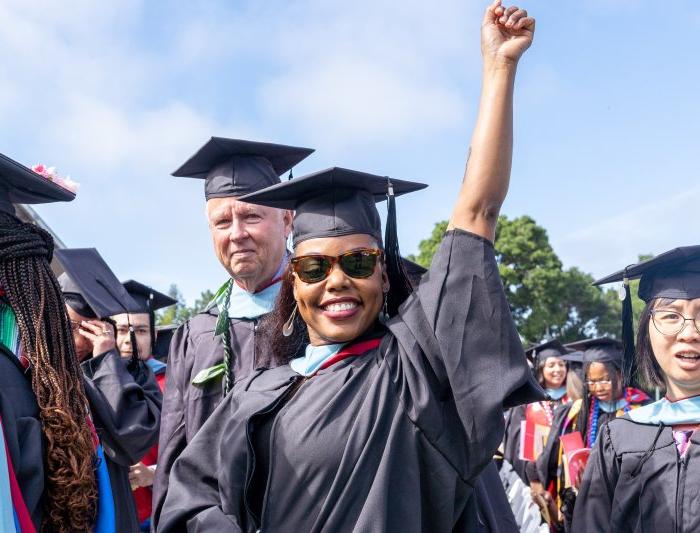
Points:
[(545, 299), (180, 312)]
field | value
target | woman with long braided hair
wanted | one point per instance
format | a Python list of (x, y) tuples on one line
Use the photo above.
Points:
[(50, 444)]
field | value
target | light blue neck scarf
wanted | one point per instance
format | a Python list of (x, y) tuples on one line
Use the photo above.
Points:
[(669, 413), (248, 305), (612, 407), (314, 358), (556, 394), (155, 365)]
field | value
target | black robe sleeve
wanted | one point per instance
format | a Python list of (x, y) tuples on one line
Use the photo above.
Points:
[(23, 433), (173, 435), (461, 361), (593, 507), (125, 406)]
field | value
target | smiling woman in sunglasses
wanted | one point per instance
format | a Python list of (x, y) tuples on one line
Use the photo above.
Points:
[(391, 405), (644, 473)]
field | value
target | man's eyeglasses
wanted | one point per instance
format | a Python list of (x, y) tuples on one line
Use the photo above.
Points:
[(316, 267)]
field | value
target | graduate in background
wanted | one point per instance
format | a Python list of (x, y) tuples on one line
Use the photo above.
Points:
[(551, 373), (605, 397), (376, 424), (644, 471), (124, 398), (143, 323), (47, 448)]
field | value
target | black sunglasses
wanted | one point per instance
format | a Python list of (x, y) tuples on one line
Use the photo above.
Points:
[(356, 264)]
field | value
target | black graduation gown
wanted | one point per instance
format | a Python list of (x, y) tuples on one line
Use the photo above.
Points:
[(125, 407), (186, 406), (23, 433), (511, 441), (392, 440), (636, 481)]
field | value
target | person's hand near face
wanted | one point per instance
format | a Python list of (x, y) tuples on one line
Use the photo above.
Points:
[(91, 337), (100, 334)]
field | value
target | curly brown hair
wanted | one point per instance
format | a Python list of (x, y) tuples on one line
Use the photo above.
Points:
[(70, 498)]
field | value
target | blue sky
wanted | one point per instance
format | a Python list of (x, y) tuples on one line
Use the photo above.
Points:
[(118, 94)]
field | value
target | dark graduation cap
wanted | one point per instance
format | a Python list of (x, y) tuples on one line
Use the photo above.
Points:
[(87, 278), (674, 274), (573, 357), (21, 185), (542, 351), (413, 270), (148, 299), (599, 350), (336, 202), (333, 202), (234, 167)]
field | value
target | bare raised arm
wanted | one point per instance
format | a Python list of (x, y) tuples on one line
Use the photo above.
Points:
[(505, 35)]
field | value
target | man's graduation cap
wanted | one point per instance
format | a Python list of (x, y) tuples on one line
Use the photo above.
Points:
[(234, 167), (336, 202), (88, 284), (674, 274), (21, 185), (149, 301)]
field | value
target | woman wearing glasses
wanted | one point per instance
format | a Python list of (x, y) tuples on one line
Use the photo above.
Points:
[(390, 406), (644, 472), (604, 398)]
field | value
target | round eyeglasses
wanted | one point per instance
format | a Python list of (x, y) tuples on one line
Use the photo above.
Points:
[(669, 322)]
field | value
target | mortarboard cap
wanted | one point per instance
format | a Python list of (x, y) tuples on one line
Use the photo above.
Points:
[(333, 202), (88, 276), (148, 299), (413, 270), (542, 351), (21, 185), (573, 357), (599, 350), (234, 167), (674, 274)]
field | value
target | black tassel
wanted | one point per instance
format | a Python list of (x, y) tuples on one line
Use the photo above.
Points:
[(134, 361), (400, 286), (291, 176), (629, 363)]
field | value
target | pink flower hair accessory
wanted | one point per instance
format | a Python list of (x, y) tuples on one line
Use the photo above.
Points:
[(50, 174)]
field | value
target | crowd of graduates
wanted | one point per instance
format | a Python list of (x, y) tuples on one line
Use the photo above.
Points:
[(332, 385)]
